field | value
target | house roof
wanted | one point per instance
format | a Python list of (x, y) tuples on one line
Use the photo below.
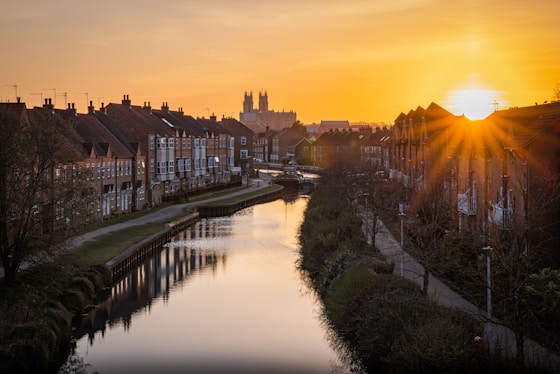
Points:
[(94, 132), (182, 122)]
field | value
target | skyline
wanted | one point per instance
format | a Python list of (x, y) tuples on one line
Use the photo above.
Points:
[(325, 60)]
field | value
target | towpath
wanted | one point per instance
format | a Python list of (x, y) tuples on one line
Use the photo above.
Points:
[(495, 333)]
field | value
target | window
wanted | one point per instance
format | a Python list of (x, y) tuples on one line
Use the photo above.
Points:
[(243, 154), (243, 140), (180, 166), (152, 142), (170, 167), (203, 142), (187, 164), (197, 143), (171, 143), (152, 165)]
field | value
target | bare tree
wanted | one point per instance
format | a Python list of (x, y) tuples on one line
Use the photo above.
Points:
[(523, 249), (32, 147), (427, 225)]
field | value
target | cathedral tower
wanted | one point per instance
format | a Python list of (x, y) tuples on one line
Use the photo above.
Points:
[(263, 102), (248, 102)]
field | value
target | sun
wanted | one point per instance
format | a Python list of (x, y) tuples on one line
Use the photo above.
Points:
[(474, 103)]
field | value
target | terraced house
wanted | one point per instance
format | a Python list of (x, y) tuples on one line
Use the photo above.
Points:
[(499, 174), (129, 157)]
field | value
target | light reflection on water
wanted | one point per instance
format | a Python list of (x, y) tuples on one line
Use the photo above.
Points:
[(224, 296)]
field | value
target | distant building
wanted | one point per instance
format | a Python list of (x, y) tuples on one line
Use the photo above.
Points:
[(327, 126), (262, 118)]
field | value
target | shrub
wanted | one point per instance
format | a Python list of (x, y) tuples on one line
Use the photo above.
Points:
[(73, 300), (439, 346), (85, 286), (345, 294)]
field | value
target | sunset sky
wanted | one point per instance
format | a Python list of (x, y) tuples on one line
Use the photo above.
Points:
[(356, 60)]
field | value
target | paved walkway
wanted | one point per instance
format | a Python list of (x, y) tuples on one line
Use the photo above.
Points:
[(166, 214), (442, 294), (162, 215)]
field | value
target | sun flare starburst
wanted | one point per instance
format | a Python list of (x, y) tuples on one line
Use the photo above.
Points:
[(474, 103)]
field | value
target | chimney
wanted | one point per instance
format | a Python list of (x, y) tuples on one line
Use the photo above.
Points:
[(90, 107), (126, 101), (103, 108), (71, 109), (213, 117), (165, 107), (48, 104), (148, 106)]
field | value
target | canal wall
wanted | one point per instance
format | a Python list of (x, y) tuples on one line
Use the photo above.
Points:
[(123, 263), (220, 210), (133, 256)]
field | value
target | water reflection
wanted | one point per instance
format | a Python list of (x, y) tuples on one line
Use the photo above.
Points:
[(225, 293)]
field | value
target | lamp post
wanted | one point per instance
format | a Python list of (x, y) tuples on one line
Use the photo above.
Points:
[(402, 215), (488, 249)]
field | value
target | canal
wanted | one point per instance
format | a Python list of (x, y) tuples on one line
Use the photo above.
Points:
[(225, 296)]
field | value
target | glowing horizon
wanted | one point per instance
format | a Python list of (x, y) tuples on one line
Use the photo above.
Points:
[(474, 103), (352, 60)]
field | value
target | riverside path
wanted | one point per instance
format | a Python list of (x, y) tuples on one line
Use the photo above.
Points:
[(495, 333), (162, 215)]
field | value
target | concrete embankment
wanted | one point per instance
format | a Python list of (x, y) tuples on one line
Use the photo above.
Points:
[(219, 210), (120, 265)]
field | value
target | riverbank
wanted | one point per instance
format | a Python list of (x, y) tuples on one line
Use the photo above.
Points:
[(387, 323), (38, 307)]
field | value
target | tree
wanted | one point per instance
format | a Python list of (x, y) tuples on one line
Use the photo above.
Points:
[(32, 147), (427, 225), (522, 251)]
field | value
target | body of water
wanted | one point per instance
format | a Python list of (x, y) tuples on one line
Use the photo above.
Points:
[(225, 296)]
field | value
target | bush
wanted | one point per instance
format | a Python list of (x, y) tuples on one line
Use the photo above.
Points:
[(73, 300), (345, 294), (438, 346), (85, 286)]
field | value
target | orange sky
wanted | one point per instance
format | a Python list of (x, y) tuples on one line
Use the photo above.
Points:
[(356, 60)]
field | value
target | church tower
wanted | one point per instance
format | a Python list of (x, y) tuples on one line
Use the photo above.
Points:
[(263, 102), (248, 102)]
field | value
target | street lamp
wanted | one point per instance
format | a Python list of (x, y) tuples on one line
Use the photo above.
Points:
[(488, 249), (402, 215)]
